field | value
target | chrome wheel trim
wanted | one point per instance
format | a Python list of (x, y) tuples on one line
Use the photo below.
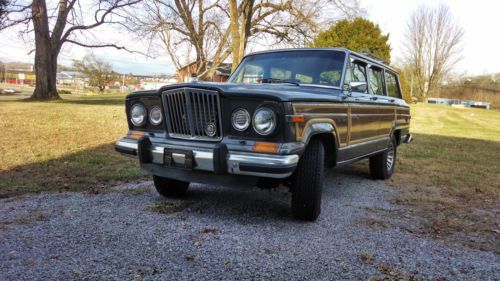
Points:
[(390, 156)]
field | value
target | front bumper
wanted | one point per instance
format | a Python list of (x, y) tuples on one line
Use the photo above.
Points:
[(216, 159)]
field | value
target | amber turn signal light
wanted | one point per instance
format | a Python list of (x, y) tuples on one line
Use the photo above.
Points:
[(266, 147), (135, 135), (297, 118)]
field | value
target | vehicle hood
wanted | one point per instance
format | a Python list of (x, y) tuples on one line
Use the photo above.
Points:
[(278, 92)]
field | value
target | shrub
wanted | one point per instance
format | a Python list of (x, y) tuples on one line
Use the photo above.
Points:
[(64, 92)]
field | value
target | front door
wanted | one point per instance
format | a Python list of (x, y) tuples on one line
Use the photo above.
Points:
[(364, 114)]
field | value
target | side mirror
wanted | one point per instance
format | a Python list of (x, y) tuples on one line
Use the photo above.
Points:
[(358, 86)]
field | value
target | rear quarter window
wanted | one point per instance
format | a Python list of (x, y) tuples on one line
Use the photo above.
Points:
[(376, 81), (391, 80)]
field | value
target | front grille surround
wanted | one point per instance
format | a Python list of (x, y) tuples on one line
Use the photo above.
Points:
[(190, 111)]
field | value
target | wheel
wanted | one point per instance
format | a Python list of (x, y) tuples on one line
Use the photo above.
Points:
[(170, 187), (382, 165), (307, 182)]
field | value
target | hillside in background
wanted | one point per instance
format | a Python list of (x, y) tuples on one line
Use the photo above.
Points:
[(477, 88)]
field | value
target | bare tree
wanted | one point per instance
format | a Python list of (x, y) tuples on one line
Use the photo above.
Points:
[(66, 21), (215, 30), (3, 7), (185, 27), (99, 72), (432, 46), (289, 21)]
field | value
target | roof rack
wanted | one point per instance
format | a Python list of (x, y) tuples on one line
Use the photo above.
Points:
[(373, 56)]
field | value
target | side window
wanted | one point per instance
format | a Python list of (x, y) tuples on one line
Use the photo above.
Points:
[(392, 85), (347, 77), (358, 70), (375, 80)]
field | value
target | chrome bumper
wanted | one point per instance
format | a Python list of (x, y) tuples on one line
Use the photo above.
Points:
[(408, 138), (238, 163)]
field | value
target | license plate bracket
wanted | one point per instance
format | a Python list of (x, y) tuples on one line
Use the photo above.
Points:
[(178, 158)]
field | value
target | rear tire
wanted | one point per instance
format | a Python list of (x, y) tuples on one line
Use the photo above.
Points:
[(307, 182), (382, 165), (170, 187)]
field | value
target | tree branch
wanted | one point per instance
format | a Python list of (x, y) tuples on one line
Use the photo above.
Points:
[(106, 46), (99, 20)]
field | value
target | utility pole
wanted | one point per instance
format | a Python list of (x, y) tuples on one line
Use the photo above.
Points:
[(5, 74), (411, 85)]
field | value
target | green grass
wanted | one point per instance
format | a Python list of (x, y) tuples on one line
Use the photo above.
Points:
[(470, 123), (62, 145), (450, 173), (455, 149)]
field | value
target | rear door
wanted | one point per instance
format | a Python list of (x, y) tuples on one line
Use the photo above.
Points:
[(390, 101), (386, 109), (401, 118)]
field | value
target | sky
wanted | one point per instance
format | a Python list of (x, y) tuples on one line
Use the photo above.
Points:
[(481, 42)]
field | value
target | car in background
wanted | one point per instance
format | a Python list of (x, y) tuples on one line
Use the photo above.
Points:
[(8, 91)]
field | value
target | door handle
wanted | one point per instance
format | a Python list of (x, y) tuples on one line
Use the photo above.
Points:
[(374, 98), (392, 100)]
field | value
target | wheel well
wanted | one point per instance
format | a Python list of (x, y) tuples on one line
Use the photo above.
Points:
[(397, 135), (330, 145)]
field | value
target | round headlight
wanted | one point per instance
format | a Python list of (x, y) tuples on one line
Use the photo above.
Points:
[(264, 121), (155, 116), (138, 114), (240, 119)]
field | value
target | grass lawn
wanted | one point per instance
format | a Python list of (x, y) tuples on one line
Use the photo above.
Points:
[(62, 145), (450, 173)]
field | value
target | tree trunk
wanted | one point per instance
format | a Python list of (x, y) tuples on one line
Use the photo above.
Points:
[(235, 34), (45, 54), (201, 65), (240, 31), (246, 25)]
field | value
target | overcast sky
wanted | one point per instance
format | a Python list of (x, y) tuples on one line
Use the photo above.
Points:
[(479, 19)]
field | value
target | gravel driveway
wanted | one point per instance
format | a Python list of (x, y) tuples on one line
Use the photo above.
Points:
[(223, 233)]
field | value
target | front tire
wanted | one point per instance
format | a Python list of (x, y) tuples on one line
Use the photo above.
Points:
[(307, 182), (170, 187), (382, 165)]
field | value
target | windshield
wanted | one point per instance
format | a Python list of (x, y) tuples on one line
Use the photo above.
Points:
[(323, 67)]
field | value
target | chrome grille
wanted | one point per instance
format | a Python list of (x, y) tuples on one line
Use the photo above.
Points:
[(193, 114)]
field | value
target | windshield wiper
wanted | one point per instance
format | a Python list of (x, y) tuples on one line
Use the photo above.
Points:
[(277, 80)]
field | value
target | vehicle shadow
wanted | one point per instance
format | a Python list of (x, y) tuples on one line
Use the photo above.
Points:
[(89, 170), (257, 205)]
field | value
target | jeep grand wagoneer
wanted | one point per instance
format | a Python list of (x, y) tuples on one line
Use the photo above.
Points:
[(283, 117)]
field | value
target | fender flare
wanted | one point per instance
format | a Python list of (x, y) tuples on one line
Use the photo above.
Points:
[(319, 126)]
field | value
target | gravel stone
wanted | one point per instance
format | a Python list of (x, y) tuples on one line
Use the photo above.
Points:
[(224, 234)]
